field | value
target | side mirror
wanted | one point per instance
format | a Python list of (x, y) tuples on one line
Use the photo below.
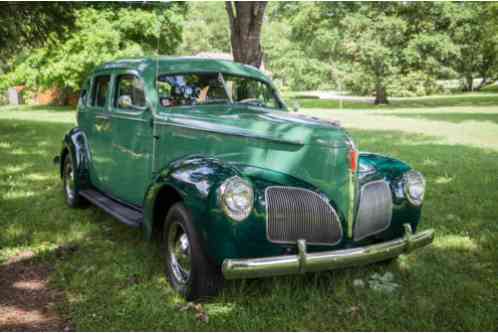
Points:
[(124, 102), (295, 106)]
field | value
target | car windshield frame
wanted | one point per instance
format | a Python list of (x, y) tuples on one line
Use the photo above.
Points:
[(227, 99)]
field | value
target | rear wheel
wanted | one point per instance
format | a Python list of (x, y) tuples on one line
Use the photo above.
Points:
[(73, 199), (189, 271)]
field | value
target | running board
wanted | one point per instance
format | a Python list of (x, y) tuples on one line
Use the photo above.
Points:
[(122, 213)]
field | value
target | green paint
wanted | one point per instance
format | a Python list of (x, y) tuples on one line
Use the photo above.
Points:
[(134, 154)]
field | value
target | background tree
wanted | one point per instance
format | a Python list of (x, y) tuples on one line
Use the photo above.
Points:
[(246, 20), (205, 29), (99, 35), (473, 30)]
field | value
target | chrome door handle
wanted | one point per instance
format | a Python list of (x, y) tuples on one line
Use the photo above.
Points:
[(102, 117)]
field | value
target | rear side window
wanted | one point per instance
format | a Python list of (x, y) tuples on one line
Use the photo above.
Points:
[(129, 92), (100, 90)]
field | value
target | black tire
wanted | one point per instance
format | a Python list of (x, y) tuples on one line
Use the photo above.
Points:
[(203, 279), (71, 192)]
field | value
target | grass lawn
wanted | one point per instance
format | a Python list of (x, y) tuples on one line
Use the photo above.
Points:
[(469, 99), (452, 117), (115, 281)]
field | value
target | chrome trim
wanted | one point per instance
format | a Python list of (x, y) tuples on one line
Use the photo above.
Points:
[(405, 187), (318, 196), (390, 209), (232, 132), (319, 261), (222, 193), (119, 116), (102, 117)]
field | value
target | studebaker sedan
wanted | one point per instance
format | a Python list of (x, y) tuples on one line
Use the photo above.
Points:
[(204, 154)]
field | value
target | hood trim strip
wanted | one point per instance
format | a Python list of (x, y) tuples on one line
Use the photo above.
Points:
[(238, 132)]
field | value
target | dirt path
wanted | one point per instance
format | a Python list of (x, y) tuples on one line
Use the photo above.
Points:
[(26, 302)]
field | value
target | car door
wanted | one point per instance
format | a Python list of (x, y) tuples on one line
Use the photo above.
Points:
[(98, 130), (132, 138)]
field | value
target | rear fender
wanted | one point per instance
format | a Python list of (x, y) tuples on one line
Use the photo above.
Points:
[(76, 144)]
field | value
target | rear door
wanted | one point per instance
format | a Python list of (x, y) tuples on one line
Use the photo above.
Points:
[(132, 138), (99, 131)]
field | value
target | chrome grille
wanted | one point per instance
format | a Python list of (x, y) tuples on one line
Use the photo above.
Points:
[(295, 213), (374, 211)]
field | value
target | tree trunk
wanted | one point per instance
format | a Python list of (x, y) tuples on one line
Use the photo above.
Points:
[(246, 20), (380, 94), (468, 83)]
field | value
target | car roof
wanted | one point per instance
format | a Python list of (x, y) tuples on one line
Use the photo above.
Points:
[(180, 65)]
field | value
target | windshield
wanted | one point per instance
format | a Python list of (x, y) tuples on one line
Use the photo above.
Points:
[(213, 88)]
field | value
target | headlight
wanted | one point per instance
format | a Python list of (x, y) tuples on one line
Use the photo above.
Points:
[(414, 187), (236, 198)]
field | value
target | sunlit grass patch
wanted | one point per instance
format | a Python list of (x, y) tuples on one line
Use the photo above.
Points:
[(452, 117)]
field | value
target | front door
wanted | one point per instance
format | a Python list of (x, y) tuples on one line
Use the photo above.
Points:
[(132, 138), (99, 131)]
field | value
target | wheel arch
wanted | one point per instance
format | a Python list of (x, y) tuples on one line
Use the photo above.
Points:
[(192, 180), (76, 144)]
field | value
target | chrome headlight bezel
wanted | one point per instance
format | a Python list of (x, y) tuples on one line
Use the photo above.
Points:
[(414, 187), (229, 190)]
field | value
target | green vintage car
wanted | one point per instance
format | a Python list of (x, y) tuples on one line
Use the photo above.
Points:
[(204, 154)]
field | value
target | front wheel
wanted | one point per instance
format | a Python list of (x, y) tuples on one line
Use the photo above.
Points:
[(189, 271)]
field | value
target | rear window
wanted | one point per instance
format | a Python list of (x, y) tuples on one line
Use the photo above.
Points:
[(100, 90)]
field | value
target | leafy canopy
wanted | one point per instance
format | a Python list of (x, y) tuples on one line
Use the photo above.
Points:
[(100, 35)]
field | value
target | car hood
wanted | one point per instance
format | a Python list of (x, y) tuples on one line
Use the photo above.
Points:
[(260, 123)]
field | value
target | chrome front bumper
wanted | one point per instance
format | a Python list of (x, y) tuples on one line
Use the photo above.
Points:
[(319, 261)]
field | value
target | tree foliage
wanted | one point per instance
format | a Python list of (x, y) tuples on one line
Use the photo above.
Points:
[(205, 29), (397, 48), (100, 35)]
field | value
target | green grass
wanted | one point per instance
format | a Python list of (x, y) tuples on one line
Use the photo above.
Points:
[(452, 117), (115, 280), (475, 99)]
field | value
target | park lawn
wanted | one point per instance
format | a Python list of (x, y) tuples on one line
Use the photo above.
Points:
[(451, 117), (114, 280), (468, 99)]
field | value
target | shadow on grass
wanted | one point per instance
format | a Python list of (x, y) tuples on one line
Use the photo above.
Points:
[(26, 300), (115, 280)]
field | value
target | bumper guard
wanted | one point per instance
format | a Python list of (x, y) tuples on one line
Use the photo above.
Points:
[(319, 261)]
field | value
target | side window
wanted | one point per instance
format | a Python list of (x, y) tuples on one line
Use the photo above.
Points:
[(129, 92), (100, 89), (84, 93)]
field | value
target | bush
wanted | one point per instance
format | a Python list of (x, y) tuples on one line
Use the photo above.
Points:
[(413, 84)]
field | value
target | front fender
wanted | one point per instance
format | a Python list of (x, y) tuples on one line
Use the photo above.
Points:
[(196, 179), (76, 144)]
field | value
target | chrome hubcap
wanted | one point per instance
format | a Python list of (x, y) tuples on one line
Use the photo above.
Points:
[(69, 180), (179, 253)]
